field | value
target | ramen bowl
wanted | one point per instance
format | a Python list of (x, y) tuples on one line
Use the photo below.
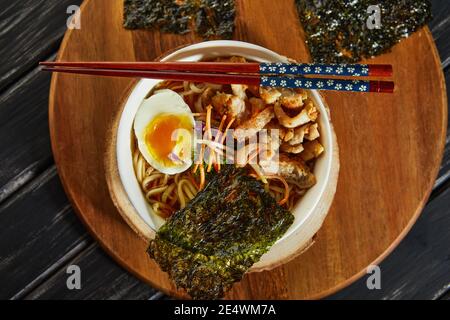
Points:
[(309, 212)]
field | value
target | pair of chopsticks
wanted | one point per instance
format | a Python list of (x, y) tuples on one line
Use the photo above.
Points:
[(279, 75)]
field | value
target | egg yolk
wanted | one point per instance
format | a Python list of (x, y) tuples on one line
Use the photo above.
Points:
[(164, 139)]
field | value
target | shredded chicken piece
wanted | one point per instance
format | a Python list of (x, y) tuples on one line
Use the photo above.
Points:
[(228, 104), (268, 159), (293, 99), (261, 149), (309, 131), (289, 135), (313, 149), (313, 132), (270, 141), (275, 125), (299, 135), (239, 91), (205, 98), (236, 59), (308, 113), (257, 104), (254, 90), (295, 149), (269, 95), (254, 124), (296, 170)]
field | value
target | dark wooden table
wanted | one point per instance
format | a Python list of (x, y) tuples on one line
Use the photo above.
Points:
[(40, 235)]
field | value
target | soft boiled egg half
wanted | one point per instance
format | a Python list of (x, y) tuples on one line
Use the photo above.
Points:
[(164, 128)]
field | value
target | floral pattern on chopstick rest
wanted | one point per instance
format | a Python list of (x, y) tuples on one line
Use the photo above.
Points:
[(356, 70), (316, 84)]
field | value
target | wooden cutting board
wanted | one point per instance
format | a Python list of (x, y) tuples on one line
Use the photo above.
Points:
[(390, 147)]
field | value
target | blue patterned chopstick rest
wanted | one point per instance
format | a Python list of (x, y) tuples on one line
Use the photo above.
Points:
[(316, 84), (355, 70)]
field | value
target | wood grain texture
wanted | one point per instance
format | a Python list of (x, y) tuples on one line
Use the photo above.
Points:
[(32, 31), (39, 209), (25, 37), (439, 27), (388, 164), (446, 295), (23, 121), (444, 172), (101, 279), (419, 268)]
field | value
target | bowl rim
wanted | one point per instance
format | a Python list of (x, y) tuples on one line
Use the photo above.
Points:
[(134, 216)]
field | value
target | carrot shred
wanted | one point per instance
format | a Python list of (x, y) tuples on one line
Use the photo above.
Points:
[(202, 169), (202, 178), (286, 188), (219, 137), (192, 179), (209, 134), (208, 121), (226, 130)]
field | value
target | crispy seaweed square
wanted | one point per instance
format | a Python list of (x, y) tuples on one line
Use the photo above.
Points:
[(337, 32), (210, 18), (220, 234)]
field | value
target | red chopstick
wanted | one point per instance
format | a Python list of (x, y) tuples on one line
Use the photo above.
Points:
[(220, 78), (269, 75), (203, 67), (353, 70)]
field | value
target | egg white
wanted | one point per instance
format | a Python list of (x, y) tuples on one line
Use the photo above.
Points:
[(161, 102)]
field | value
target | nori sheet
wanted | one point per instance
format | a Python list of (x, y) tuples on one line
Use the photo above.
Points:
[(337, 32), (210, 18), (220, 234)]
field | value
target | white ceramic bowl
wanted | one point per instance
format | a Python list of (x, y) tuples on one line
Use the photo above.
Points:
[(311, 209)]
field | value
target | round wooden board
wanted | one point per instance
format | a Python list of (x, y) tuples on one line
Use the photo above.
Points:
[(390, 147)]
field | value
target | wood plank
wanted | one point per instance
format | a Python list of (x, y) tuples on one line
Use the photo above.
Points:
[(439, 27), (30, 31), (444, 172), (23, 119), (419, 268), (24, 136), (446, 295), (38, 229), (52, 269), (48, 236), (101, 278)]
